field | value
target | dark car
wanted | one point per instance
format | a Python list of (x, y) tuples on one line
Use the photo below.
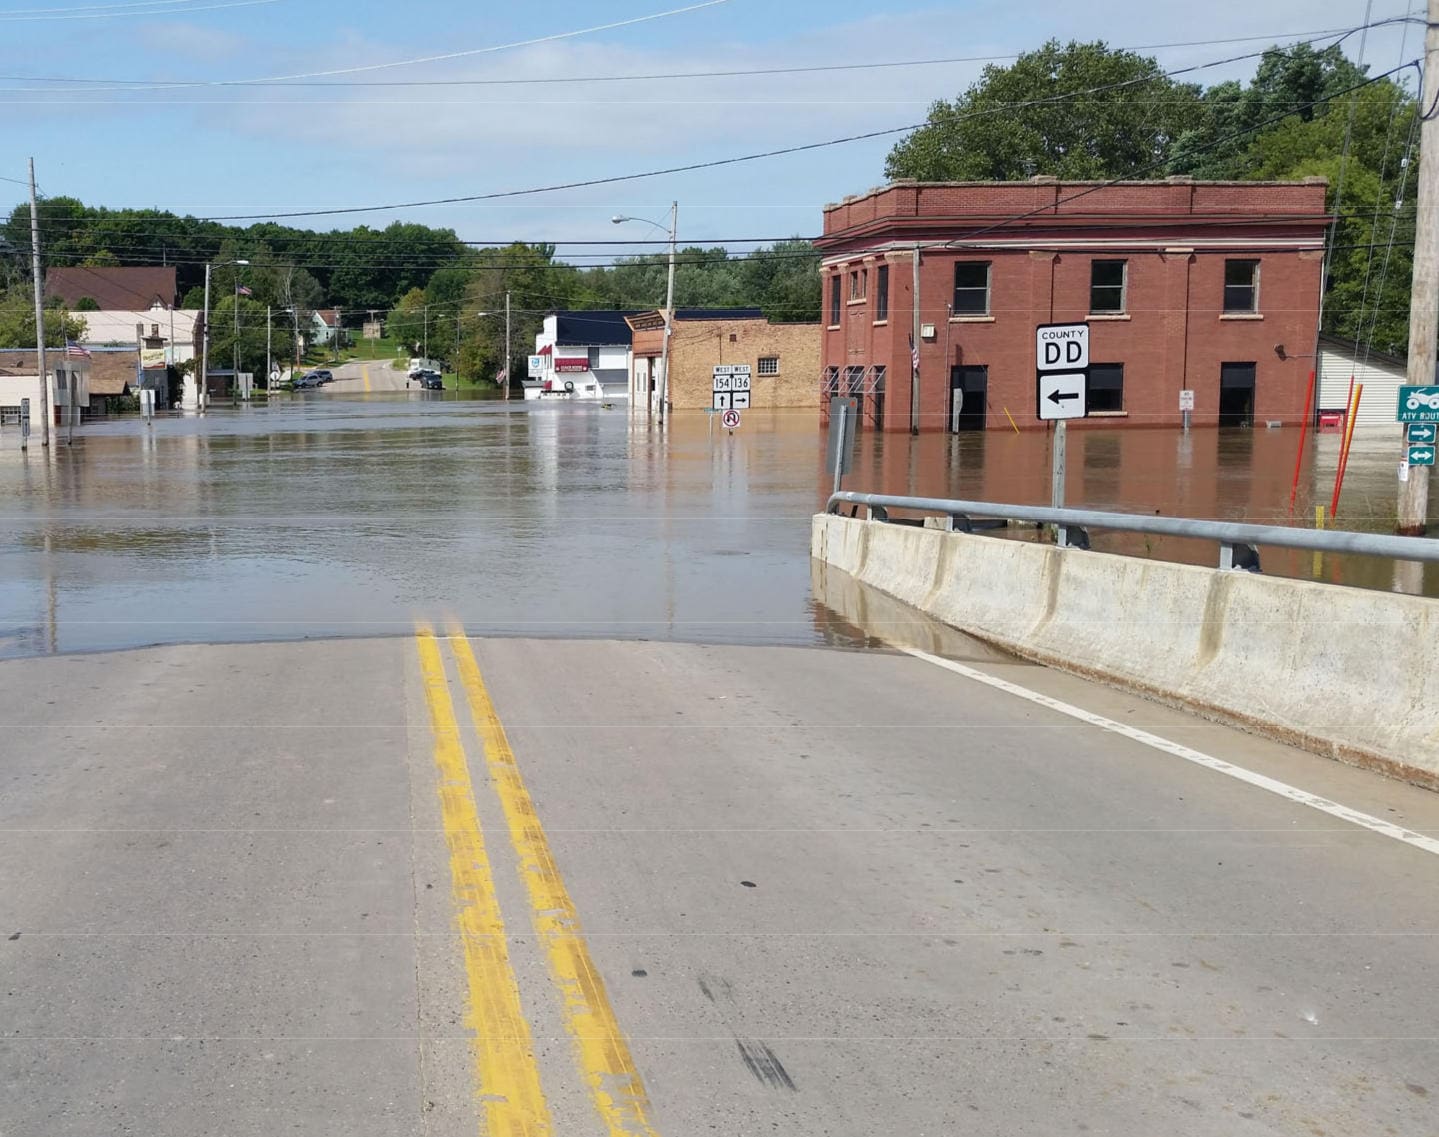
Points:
[(431, 381)]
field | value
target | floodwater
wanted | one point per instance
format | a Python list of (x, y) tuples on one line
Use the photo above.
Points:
[(356, 515)]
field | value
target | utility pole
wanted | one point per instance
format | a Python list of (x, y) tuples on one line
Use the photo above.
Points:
[(669, 313), (459, 315), (39, 312), (269, 346), (203, 378), (914, 354), (1424, 300), (508, 356), (235, 350)]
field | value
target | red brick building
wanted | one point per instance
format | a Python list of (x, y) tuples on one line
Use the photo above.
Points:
[(1211, 287)]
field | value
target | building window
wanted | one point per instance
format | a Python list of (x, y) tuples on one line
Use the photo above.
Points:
[(769, 365), (594, 357), (1106, 387), (971, 288), (1241, 286), (881, 299), (858, 283), (831, 382), (853, 381), (834, 301), (1106, 286)]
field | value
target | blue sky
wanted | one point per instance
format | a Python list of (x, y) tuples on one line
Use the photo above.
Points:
[(238, 150)]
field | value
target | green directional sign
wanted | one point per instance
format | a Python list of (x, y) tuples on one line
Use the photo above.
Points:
[(1421, 455), (1426, 432), (1418, 404)]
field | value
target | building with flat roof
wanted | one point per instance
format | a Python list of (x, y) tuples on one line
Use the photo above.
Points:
[(783, 358), (933, 292), (580, 355)]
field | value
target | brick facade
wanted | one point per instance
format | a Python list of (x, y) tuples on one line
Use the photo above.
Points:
[(702, 342), (1171, 333)]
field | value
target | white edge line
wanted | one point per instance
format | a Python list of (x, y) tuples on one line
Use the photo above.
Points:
[(1198, 757)]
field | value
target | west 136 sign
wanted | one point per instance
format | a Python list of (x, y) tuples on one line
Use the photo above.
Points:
[(1061, 356)]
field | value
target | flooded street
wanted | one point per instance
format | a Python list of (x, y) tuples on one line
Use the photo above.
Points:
[(337, 516)]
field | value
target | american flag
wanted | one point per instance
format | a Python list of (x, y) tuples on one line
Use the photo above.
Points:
[(241, 290), (74, 350), (913, 354)]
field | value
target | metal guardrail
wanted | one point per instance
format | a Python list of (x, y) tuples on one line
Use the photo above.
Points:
[(1237, 541)]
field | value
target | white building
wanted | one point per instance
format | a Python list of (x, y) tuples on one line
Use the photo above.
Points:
[(172, 333), (581, 355), (1341, 360), (69, 377)]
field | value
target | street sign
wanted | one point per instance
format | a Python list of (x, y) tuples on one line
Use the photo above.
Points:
[(1186, 400), (1422, 432), (1061, 362), (722, 400), (729, 377), (24, 419), (537, 367), (739, 400), (1418, 404), (1062, 396), (1062, 347), (1421, 455), (730, 419)]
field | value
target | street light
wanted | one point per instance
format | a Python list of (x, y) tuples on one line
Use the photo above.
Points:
[(664, 383), (204, 379)]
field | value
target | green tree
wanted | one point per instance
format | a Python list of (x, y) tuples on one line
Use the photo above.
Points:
[(252, 340), (17, 321), (408, 321), (1076, 110)]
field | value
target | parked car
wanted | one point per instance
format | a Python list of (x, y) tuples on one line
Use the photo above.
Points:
[(324, 375), (431, 380), (307, 382)]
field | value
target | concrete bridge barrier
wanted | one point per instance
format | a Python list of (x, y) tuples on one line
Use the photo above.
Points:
[(1349, 673)]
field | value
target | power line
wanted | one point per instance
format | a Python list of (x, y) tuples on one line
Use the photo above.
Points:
[(9, 18), (143, 84), (719, 162)]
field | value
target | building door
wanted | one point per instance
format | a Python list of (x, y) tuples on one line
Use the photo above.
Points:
[(879, 377), (1236, 394), (968, 396)]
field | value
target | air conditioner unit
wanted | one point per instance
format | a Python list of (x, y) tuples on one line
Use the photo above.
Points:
[(926, 331)]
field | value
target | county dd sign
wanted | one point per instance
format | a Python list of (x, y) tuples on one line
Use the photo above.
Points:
[(1061, 360)]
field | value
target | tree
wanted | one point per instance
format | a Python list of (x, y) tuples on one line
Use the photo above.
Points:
[(253, 338), (17, 321), (87, 304), (1077, 110), (408, 321), (1294, 80)]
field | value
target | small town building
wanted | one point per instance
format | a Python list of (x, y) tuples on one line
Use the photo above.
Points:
[(115, 375), (69, 378), (933, 292), (783, 358), (326, 328), (580, 355), (1343, 362), (148, 287)]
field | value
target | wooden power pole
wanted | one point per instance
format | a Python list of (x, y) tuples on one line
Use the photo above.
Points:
[(1424, 300), (39, 312)]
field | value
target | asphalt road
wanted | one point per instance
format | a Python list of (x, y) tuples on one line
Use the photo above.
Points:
[(366, 377), (598, 888)]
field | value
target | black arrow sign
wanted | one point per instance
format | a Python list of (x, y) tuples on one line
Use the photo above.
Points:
[(1057, 397)]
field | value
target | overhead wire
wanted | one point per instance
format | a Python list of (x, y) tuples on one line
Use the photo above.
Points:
[(7, 18)]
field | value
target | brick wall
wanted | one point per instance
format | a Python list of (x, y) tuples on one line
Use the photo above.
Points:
[(701, 344)]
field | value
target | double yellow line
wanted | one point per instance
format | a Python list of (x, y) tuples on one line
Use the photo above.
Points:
[(505, 1068)]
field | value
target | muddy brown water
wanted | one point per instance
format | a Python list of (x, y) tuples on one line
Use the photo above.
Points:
[(357, 515)]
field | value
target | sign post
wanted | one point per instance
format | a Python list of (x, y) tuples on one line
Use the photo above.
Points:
[(1061, 360), (24, 424), (1186, 407), (839, 447)]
